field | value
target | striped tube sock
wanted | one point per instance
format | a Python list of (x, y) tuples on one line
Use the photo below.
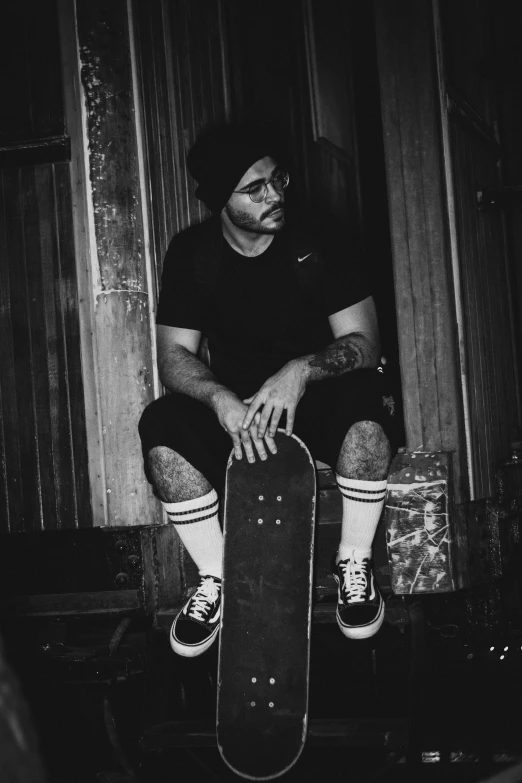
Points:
[(197, 524), (363, 502)]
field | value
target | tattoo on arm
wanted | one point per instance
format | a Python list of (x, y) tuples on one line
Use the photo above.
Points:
[(345, 354)]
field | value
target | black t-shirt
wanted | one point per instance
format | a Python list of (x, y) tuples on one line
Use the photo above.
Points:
[(258, 313)]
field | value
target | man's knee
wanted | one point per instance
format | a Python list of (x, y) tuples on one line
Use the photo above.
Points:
[(174, 479), (366, 452), (367, 434)]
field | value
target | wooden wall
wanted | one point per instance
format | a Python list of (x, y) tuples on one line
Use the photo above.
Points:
[(428, 339), (475, 151), (121, 278), (44, 481), (44, 466), (185, 87), (504, 70), (486, 291), (452, 281)]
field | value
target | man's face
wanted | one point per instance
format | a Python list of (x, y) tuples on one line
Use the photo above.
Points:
[(267, 217)]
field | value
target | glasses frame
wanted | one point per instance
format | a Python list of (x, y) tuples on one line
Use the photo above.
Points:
[(286, 180)]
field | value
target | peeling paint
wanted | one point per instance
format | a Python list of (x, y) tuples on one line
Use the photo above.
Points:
[(113, 166)]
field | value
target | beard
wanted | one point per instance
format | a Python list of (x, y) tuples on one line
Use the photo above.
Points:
[(248, 222)]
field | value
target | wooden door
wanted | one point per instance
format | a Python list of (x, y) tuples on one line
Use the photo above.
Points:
[(483, 287), (44, 480), (451, 276)]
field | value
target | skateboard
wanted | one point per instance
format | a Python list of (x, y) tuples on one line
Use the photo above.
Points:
[(264, 646)]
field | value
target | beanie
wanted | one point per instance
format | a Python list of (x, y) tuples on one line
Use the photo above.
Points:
[(220, 157)]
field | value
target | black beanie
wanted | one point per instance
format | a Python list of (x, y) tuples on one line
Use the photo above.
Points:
[(220, 157)]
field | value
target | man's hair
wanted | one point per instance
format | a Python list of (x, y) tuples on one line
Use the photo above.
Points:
[(222, 154)]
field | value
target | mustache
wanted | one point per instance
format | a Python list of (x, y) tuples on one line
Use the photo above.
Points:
[(271, 211)]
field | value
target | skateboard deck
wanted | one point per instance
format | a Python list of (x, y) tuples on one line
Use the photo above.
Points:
[(264, 646)]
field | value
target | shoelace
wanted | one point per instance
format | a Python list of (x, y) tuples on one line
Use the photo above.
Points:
[(355, 581), (202, 600)]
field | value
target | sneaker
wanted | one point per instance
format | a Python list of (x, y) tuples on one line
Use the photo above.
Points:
[(360, 605), (196, 626)]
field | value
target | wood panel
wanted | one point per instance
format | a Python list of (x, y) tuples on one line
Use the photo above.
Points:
[(44, 470), (416, 198), (469, 28), (118, 257), (31, 106), (185, 87), (485, 291)]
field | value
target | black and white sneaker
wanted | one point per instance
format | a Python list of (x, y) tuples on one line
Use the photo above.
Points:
[(197, 625), (360, 605)]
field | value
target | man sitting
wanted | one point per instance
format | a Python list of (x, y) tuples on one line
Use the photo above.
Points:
[(293, 342)]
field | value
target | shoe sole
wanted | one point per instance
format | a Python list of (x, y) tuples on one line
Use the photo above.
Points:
[(192, 650), (362, 631)]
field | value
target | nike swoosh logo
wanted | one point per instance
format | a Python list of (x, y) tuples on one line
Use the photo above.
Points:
[(303, 258)]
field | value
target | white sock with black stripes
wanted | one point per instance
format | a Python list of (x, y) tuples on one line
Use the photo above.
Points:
[(197, 524), (363, 502)]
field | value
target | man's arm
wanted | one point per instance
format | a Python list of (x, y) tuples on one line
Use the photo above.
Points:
[(356, 346), (180, 370)]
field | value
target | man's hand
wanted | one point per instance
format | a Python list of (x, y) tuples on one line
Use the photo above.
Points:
[(231, 414), (279, 393)]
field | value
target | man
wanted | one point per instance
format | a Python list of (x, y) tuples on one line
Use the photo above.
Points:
[(293, 342)]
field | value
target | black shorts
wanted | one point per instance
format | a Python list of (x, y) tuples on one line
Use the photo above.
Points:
[(324, 415)]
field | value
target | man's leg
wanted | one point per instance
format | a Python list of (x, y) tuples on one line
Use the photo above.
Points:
[(345, 424), (361, 470), (194, 438), (191, 504)]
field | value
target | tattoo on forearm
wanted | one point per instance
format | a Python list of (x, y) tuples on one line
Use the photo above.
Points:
[(342, 356)]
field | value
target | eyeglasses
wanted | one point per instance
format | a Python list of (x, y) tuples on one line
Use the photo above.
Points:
[(258, 191)]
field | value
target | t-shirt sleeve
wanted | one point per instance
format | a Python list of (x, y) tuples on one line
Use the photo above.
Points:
[(180, 302), (346, 280)]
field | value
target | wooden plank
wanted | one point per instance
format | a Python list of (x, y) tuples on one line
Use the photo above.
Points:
[(162, 568), (12, 497), (423, 284), (47, 150), (39, 404), (493, 404), (29, 62), (125, 366), (18, 223), (106, 79), (41, 249), (348, 732), (469, 28), (121, 305), (473, 352), (158, 123), (109, 601), (76, 506), (183, 91), (95, 506)]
